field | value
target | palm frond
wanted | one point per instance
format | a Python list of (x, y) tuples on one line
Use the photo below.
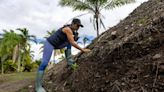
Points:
[(32, 38), (101, 23), (76, 4), (5, 31), (94, 23), (114, 3), (76, 17), (102, 16)]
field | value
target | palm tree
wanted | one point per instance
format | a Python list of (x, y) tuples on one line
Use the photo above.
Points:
[(24, 44), (26, 37), (94, 7), (27, 58), (8, 41)]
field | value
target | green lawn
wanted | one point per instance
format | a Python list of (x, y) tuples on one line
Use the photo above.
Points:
[(17, 76)]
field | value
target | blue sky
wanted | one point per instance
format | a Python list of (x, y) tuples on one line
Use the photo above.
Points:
[(41, 15)]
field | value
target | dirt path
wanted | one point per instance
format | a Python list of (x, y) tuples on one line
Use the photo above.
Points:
[(15, 86)]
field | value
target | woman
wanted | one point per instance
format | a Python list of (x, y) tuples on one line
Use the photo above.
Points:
[(64, 37)]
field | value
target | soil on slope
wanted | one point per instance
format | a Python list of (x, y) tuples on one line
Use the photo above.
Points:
[(126, 58)]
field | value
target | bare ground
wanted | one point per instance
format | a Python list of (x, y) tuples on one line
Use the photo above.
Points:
[(15, 86)]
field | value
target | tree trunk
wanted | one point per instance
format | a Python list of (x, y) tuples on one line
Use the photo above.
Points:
[(97, 22), (97, 27), (18, 64), (2, 70), (19, 54), (2, 61), (15, 54)]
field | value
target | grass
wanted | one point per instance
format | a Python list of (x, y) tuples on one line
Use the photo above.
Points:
[(17, 76)]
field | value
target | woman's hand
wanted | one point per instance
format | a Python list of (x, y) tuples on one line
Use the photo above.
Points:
[(86, 50)]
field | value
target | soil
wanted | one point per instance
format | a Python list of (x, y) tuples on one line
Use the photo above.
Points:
[(15, 86), (128, 57)]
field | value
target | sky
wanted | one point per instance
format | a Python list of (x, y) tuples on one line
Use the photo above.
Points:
[(38, 16)]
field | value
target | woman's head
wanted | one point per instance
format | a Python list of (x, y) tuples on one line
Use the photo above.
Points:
[(76, 23)]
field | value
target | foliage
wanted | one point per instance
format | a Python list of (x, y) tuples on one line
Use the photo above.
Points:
[(10, 39), (9, 66), (30, 67), (74, 66), (38, 62), (94, 7), (26, 36), (22, 54)]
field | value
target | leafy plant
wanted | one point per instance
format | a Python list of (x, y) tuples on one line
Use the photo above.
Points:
[(9, 66), (74, 66)]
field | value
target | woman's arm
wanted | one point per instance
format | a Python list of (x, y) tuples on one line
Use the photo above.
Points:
[(69, 34)]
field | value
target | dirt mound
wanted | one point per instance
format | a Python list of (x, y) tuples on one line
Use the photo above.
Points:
[(126, 58)]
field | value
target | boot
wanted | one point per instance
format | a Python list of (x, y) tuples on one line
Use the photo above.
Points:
[(38, 84), (68, 55)]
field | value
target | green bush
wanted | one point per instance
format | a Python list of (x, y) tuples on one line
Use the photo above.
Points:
[(9, 66), (38, 62), (30, 67)]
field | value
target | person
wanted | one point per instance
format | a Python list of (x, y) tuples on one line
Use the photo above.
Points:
[(66, 36)]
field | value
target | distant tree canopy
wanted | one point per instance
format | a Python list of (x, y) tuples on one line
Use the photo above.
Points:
[(15, 50)]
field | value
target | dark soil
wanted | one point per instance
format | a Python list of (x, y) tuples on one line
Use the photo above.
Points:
[(126, 58)]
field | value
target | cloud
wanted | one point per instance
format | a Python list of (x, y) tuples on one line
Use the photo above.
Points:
[(41, 15), (36, 15)]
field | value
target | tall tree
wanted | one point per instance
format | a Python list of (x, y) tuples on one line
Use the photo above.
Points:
[(9, 40), (94, 7), (24, 44), (25, 38)]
